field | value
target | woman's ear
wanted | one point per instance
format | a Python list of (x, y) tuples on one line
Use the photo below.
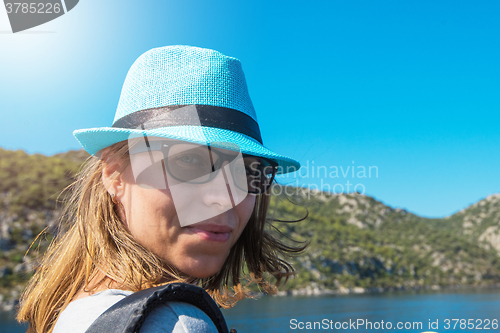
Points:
[(111, 175)]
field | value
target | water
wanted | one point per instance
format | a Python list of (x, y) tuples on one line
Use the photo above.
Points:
[(9, 325), (274, 314)]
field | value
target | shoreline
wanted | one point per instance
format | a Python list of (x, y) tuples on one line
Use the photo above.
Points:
[(316, 291), (9, 306)]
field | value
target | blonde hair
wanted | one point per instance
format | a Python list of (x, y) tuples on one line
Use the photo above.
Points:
[(96, 243)]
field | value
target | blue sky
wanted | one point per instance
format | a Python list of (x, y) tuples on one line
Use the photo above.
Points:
[(409, 88)]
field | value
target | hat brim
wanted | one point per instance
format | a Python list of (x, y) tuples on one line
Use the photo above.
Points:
[(94, 140)]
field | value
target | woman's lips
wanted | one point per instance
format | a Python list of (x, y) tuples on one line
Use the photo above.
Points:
[(211, 232)]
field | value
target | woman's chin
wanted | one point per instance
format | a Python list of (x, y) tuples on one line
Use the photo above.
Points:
[(202, 267), (200, 273)]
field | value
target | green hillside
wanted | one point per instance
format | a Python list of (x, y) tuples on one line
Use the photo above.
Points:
[(30, 186), (357, 243)]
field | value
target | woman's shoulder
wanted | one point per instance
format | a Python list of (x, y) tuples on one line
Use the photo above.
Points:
[(175, 317), (178, 317), (81, 313)]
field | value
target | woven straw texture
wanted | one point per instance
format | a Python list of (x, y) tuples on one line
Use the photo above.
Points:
[(184, 75)]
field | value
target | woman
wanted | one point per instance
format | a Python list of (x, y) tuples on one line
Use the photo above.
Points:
[(178, 192)]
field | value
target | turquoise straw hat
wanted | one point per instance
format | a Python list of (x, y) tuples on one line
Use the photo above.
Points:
[(163, 82)]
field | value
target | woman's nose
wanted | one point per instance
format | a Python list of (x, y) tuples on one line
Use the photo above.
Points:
[(220, 189)]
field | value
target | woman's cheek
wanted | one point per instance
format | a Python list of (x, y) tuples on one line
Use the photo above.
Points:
[(245, 210)]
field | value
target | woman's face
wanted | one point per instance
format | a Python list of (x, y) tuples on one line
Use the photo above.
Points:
[(199, 249)]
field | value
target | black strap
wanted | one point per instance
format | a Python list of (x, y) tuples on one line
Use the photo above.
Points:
[(128, 315), (207, 115)]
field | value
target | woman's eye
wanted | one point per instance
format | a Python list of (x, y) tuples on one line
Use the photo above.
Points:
[(190, 160), (252, 170)]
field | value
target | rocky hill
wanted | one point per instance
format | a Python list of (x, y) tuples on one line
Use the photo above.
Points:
[(30, 186), (357, 243), (479, 222)]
